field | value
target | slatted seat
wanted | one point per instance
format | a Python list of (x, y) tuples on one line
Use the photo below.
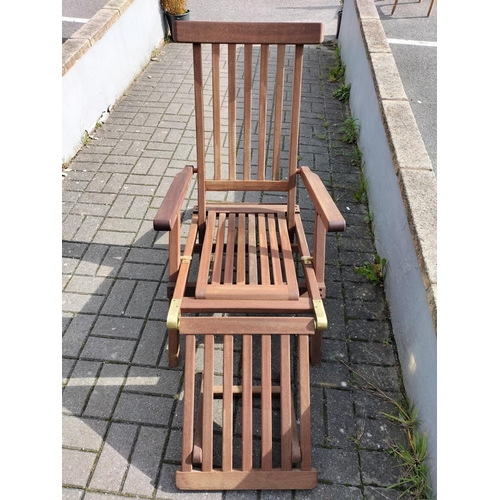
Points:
[(245, 256)]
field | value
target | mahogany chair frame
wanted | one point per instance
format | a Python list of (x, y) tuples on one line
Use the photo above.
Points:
[(247, 253)]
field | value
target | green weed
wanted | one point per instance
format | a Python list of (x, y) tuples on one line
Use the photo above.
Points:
[(343, 93), (350, 130), (373, 272)]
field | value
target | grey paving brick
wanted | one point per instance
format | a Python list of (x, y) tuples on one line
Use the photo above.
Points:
[(143, 409), (81, 303), (374, 331), (79, 386), (114, 259), (71, 226), (83, 433), (139, 207), (151, 343), (357, 309), (124, 225), (76, 466), (76, 334), (105, 392), (118, 350), (114, 458), (145, 462), (384, 377), (330, 491), (372, 353), (67, 367), (159, 310), (89, 285), (331, 375), (152, 272), (114, 238), (118, 298), (141, 299), (72, 494), (337, 466), (174, 447), (121, 205), (147, 256), (120, 327), (88, 228), (153, 381), (373, 493), (340, 419), (374, 405), (380, 434), (89, 264), (144, 165), (379, 468)]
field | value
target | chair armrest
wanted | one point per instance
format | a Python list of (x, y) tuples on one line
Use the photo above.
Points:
[(323, 202), (170, 206)]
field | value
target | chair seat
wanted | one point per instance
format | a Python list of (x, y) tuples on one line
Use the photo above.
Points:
[(247, 255)]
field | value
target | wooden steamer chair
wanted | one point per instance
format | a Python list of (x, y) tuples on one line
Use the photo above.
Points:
[(247, 256)]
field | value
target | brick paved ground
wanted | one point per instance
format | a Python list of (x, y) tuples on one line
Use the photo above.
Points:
[(122, 405)]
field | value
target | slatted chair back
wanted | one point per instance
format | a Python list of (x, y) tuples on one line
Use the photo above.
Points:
[(241, 131)]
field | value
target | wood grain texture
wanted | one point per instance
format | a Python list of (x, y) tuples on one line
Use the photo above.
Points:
[(248, 32)]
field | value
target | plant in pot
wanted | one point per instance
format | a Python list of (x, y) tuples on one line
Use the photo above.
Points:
[(175, 10)]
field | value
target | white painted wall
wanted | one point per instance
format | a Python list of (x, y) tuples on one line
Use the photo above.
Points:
[(107, 69), (411, 319)]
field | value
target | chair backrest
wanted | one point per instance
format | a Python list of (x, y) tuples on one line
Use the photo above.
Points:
[(242, 149)]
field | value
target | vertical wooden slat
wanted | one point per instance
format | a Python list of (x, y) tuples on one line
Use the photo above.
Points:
[(200, 130), (261, 157), (231, 49), (305, 403), (278, 109), (208, 404), (229, 264), (216, 108), (247, 112), (266, 405), (275, 255), (264, 259), (227, 405), (286, 404), (286, 249), (252, 251), (247, 439), (294, 134), (241, 251), (188, 415), (204, 269), (219, 249), (174, 250)]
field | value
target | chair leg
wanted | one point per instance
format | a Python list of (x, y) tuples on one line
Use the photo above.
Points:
[(173, 348), (316, 347), (430, 8), (394, 7)]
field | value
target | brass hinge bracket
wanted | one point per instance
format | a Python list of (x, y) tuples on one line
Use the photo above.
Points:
[(186, 258), (306, 259), (174, 315), (321, 322)]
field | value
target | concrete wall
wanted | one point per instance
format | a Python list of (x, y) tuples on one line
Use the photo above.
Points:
[(402, 198), (101, 60)]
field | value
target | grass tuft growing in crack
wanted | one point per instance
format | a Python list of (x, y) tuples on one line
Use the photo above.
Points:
[(414, 481)]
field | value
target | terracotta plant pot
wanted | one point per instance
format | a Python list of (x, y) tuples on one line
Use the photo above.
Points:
[(175, 17)]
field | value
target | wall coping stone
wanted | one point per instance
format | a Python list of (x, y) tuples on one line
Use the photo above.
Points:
[(413, 167), (91, 32)]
